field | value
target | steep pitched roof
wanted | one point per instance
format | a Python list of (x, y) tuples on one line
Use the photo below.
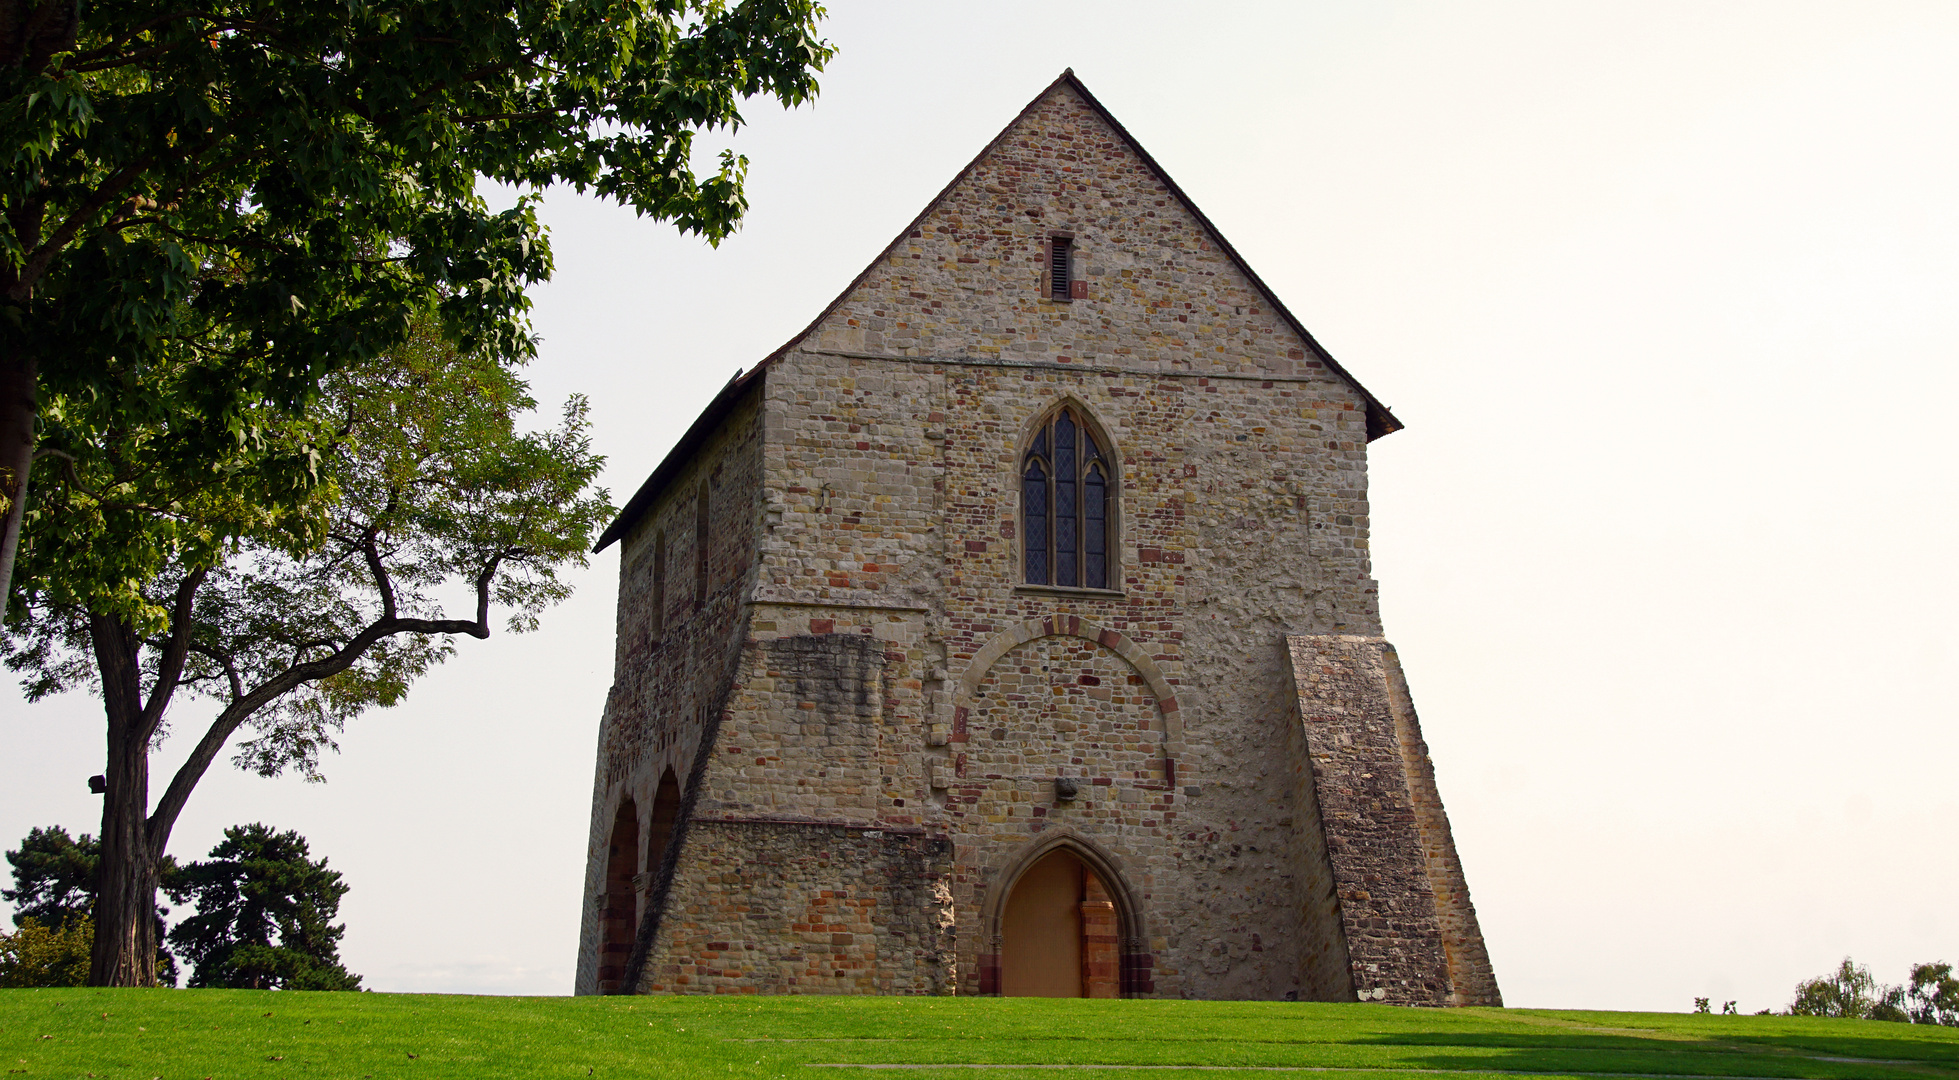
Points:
[(1380, 420)]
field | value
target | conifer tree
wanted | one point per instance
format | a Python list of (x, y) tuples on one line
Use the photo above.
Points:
[(55, 878), (264, 916)]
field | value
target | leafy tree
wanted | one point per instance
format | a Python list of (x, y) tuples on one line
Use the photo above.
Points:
[(1849, 992), (55, 879), (37, 955), (294, 620), (256, 192), (207, 212), (264, 915), (1934, 995), (1852, 993)]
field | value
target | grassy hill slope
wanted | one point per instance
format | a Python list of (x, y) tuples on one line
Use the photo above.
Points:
[(224, 1034)]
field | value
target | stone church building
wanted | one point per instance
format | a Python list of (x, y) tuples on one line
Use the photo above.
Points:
[(1010, 631)]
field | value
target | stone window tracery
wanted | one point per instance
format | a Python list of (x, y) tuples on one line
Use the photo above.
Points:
[(1067, 505)]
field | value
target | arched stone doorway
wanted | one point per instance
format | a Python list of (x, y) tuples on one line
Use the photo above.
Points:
[(618, 904), (1059, 935)]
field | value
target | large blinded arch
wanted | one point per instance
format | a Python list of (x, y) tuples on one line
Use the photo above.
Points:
[(666, 807)]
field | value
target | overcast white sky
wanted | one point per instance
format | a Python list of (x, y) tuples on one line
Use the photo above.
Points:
[(1665, 293)]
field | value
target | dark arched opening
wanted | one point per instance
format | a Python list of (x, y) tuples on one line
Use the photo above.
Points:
[(666, 807), (616, 903)]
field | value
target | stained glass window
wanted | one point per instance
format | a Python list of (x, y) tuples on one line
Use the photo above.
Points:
[(1066, 506)]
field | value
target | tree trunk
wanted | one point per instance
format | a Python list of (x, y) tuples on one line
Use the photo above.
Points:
[(17, 409), (125, 904)]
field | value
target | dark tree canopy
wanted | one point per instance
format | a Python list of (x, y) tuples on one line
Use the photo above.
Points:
[(264, 916), (54, 877)]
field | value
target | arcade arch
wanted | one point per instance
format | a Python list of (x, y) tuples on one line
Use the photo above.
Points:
[(666, 808), (617, 904)]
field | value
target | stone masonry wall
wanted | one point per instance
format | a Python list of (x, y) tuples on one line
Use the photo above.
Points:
[(894, 434), (1326, 970), (671, 672), (1472, 981), (796, 908)]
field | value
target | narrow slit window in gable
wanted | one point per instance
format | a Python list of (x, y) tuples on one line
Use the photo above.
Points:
[(1060, 267)]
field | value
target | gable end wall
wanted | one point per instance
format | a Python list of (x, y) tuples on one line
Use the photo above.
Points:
[(900, 707)]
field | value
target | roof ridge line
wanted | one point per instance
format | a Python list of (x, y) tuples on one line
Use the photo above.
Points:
[(1385, 423), (1380, 419)]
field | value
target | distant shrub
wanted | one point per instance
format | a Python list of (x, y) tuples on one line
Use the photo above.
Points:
[(1934, 995), (35, 955), (1850, 992)]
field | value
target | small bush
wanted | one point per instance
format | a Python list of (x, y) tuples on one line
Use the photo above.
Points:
[(36, 955)]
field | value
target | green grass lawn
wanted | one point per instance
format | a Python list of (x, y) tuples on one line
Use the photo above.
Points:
[(223, 1034)]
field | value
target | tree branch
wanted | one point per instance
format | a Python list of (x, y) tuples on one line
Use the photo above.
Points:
[(142, 27), (68, 466), (124, 60), (442, 86), (489, 118), (230, 669), (242, 706), (479, 629), (380, 572), (483, 588), (170, 662), (37, 263)]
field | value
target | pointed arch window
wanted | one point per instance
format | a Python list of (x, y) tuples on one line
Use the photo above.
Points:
[(1066, 505)]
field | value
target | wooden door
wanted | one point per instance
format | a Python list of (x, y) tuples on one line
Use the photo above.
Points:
[(1041, 936)]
